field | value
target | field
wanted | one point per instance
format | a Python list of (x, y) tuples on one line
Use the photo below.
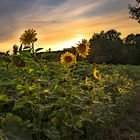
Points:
[(46, 100)]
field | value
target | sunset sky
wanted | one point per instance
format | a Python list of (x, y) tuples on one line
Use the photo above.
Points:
[(62, 23)]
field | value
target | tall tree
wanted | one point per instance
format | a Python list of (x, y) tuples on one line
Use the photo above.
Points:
[(106, 47), (130, 39), (135, 11), (112, 35)]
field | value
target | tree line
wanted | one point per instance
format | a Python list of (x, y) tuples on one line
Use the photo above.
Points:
[(105, 47), (108, 47)]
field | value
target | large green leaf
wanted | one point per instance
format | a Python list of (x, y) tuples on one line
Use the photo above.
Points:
[(38, 49), (4, 98), (15, 129), (52, 133), (27, 47), (6, 104)]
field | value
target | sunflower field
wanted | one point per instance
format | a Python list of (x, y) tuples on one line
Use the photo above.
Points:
[(68, 100)]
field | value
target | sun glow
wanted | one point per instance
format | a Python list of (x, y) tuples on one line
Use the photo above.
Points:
[(73, 41), (65, 44)]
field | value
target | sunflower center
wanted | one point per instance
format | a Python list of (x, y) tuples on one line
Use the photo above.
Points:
[(82, 48), (68, 59), (97, 73)]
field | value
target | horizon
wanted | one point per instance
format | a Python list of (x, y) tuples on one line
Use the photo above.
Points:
[(61, 24)]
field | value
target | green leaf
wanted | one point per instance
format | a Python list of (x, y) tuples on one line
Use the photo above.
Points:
[(6, 105), (20, 49), (52, 133), (4, 98), (38, 49), (56, 89), (15, 130), (79, 124), (19, 104), (27, 47), (19, 87)]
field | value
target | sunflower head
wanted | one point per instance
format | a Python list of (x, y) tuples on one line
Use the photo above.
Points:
[(68, 59), (121, 90), (28, 37), (96, 74), (87, 80), (83, 48), (46, 91)]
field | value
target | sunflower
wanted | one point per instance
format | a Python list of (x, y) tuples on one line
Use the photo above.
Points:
[(121, 90), (28, 37), (96, 74), (68, 58), (83, 48), (87, 80)]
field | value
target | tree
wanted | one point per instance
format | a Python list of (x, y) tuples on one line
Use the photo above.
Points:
[(135, 11), (132, 40), (106, 47), (112, 35), (132, 47)]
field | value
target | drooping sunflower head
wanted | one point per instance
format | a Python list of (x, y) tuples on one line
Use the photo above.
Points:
[(83, 48), (68, 59), (28, 37), (96, 74)]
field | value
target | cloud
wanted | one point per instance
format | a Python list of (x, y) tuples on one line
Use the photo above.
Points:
[(59, 20), (11, 12)]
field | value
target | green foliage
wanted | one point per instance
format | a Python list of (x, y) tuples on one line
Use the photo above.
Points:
[(15, 129), (108, 47), (134, 11), (45, 100)]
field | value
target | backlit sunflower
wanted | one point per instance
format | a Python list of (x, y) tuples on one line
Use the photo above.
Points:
[(96, 74), (83, 48), (68, 58), (28, 37)]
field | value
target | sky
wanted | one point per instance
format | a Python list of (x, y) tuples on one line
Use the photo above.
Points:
[(62, 23)]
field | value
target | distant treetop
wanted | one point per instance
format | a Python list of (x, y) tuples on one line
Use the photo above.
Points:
[(134, 11)]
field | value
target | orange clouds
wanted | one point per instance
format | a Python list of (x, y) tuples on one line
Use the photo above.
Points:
[(59, 24)]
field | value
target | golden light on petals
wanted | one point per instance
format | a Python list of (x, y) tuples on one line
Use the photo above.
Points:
[(96, 74), (68, 58), (28, 37), (83, 48)]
